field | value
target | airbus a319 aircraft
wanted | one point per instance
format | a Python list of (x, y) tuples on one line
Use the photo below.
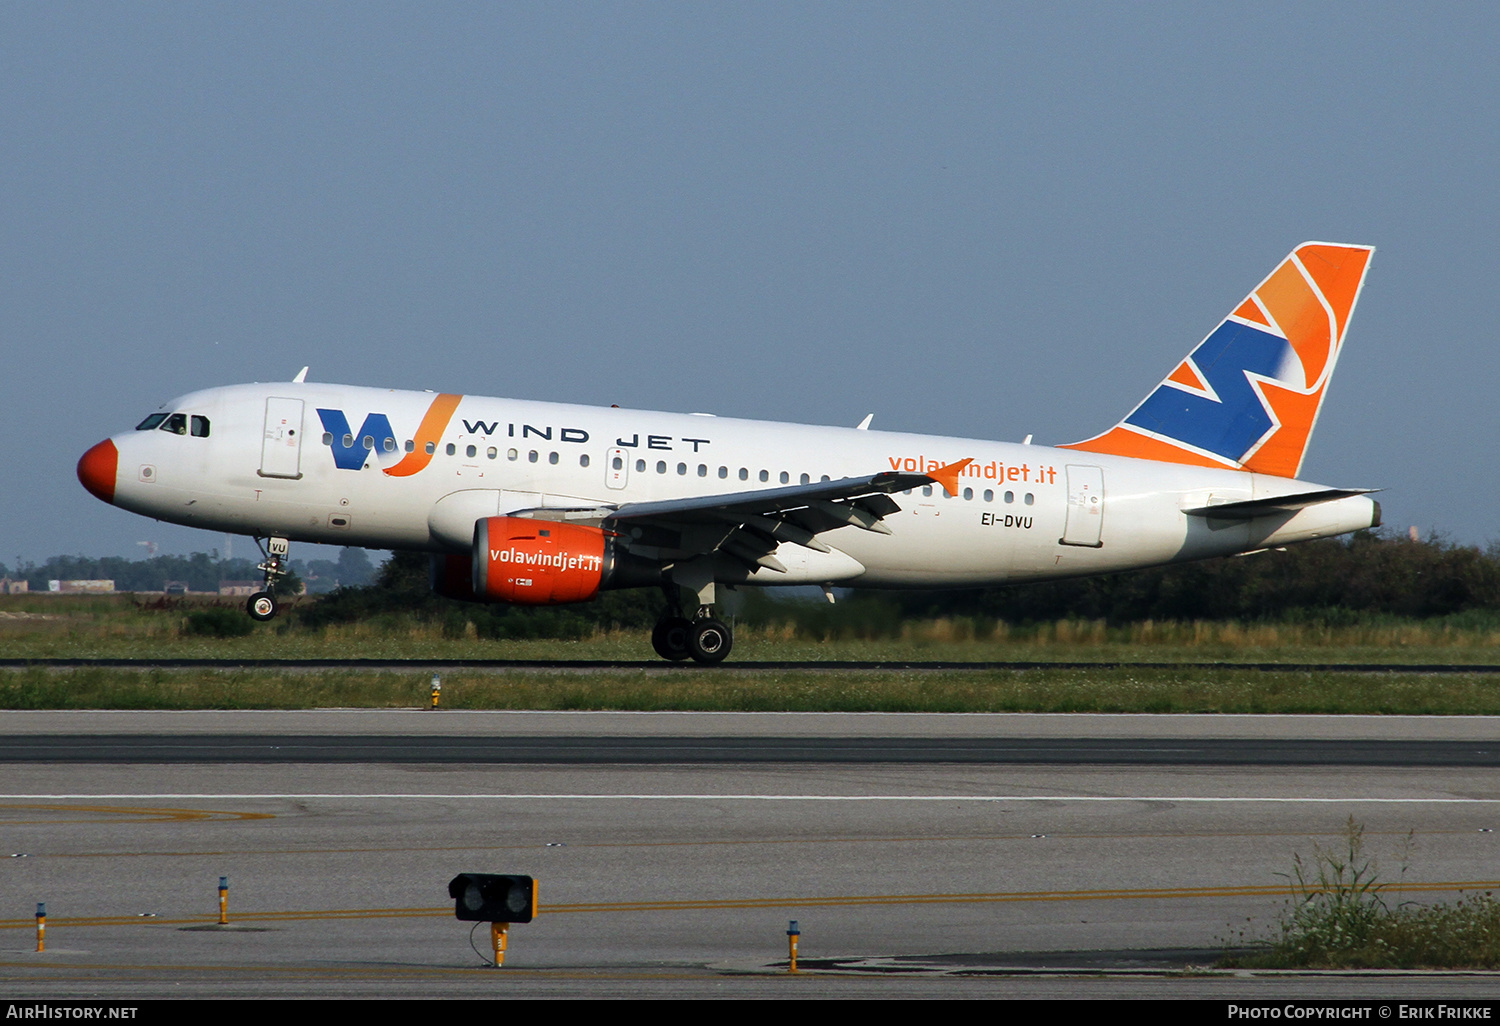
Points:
[(542, 503)]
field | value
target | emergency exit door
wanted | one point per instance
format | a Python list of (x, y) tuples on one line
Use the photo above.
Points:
[(281, 444), (1085, 507)]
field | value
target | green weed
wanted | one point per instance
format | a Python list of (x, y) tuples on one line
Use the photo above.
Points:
[(1338, 917)]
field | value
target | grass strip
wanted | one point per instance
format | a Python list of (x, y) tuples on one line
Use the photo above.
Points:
[(1055, 691)]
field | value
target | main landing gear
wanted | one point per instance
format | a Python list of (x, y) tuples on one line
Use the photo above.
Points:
[(262, 605), (703, 638)]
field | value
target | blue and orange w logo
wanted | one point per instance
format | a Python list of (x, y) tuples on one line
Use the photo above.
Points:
[(375, 435), (1249, 394)]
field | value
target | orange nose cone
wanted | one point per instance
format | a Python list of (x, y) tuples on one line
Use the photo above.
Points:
[(98, 468)]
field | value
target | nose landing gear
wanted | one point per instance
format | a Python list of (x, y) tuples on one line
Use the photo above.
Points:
[(262, 605)]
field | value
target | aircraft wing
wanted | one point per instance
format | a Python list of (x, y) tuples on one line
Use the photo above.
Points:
[(749, 526)]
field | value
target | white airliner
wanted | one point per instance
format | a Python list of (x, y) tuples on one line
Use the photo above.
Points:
[(542, 503)]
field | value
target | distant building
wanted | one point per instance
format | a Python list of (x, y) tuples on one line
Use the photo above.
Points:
[(241, 588), (175, 588), (102, 587), (10, 587)]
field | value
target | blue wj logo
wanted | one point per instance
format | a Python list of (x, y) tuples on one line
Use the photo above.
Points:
[(351, 450), (1237, 419)]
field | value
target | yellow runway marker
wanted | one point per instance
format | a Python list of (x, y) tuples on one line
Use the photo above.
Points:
[(384, 972), (828, 901), (114, 813)]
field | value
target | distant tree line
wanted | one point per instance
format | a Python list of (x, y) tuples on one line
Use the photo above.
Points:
[(201, 571), (1367, 573), (1339, 581)]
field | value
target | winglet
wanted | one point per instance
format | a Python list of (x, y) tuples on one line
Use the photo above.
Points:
[(948, 476), (1248, 396), (301, 377)]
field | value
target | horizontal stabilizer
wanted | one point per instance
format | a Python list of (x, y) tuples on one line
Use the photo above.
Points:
[(1251, 508)]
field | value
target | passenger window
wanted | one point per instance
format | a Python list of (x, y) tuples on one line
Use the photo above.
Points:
[(681, 469), (429, 448), (989, 495), (200, 426), (492, 452), (702, 470), (348, 441), (723, 471), (661, 466), (765, 475), (640, 466), (617, 463), (176, 423), (927, 489), (552, 458), (152, 422), (806, 479), (968, 493), (583, 460), (785, 477), (368, 442), (512, 455), (1030, 498), (410, 445), (531, 457), (450, 449), (744, 473), (390, 445), (1010, 496)]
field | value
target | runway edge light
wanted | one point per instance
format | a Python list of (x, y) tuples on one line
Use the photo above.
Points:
[(493, 898)]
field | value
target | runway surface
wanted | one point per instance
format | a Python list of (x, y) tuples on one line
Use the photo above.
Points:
[(668, 750), (907, 878)]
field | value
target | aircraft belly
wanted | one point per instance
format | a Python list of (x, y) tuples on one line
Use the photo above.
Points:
[(807, 566), (932, 545)]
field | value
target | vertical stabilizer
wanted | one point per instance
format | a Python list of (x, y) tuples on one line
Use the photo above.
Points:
[(1248, 396)]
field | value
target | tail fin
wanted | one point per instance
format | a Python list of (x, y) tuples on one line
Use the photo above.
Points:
[(1249, 395)]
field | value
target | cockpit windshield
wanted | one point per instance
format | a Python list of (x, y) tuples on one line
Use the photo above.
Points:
[(177, 423)]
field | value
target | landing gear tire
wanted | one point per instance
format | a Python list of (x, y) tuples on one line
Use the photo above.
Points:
[(710, 640), (262, 606), (670, 638)]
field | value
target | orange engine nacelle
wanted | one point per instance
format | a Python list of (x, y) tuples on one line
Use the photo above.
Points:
[(537, 562)]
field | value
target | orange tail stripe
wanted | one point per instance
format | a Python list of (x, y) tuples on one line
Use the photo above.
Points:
[(431, 430)]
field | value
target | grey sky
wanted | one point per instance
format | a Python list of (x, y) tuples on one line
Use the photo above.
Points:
[(985, 220)]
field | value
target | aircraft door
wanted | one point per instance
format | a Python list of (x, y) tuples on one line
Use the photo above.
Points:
[(617, 468), (281, 444), (1085, 507)]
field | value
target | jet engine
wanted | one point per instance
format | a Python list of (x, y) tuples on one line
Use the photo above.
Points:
[(453, 576), (538, 562)]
